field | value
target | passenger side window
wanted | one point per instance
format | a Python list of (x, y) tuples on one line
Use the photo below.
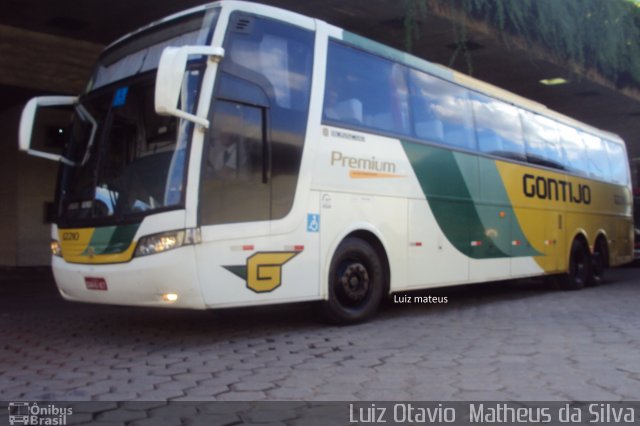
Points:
[(441, 111), (542, 141), (365, 90), (574, 150), (618, 162), (498, 128), (276, 56), (597, 157)]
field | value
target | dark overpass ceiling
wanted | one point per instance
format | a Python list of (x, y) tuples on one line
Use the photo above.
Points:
[(516, 67)]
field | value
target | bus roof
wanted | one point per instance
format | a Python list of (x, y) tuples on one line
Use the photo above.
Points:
[(396, 55)]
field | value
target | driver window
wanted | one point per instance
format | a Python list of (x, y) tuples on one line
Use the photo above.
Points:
[(234, 188)]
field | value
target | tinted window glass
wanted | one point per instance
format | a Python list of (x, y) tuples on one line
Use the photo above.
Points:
[(498, 128), (441, 111), (269, 63), (542, 141), (365, 90), (233, 189), (618, 162), (574, 150), (276, 55), (141, 52), (597, 157)]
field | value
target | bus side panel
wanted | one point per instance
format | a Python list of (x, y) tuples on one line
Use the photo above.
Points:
[(540, 221), (467, 197), (622, 252), (431, 259), (553, 208), (442, 219), (364, 181), (242, 264), (494, 210), (383, 217)]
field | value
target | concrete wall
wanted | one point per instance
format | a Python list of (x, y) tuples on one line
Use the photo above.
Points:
[(27, 183), (36, 63), (36, 186)]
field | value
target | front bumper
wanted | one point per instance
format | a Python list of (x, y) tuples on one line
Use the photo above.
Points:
[(141, 282)]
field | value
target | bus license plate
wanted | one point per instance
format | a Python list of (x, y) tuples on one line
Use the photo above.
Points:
[(95, 283)]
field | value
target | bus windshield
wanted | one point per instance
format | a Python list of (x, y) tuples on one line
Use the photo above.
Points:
[(126, 160)]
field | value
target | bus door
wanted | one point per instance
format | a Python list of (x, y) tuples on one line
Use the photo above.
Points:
[(252, 247)]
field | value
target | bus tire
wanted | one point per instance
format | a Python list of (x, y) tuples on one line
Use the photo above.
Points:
[(579, 271), (598, 263), (356, 282)]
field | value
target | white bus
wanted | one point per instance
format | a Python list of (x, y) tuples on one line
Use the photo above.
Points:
[(238, 154)]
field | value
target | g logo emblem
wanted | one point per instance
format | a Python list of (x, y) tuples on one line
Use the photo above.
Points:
[(263, 271)]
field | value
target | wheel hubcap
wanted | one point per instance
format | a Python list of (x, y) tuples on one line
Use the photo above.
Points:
[(354, 282)]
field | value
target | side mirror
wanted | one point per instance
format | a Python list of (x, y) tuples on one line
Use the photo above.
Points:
[(28, 119), (170, 76)]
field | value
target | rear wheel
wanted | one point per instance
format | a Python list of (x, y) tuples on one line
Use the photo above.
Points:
[(356, 281), (598, 263), (579, 267)]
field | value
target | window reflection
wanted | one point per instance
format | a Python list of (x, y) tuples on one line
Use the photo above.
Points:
[(618, 162), (366, 90), (498, 127), (597, 157), (271, 56), (574, 149), (542, 141), (441, 111), (370, 92)]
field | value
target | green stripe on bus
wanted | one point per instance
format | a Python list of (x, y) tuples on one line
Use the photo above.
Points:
[(121, 238), (497, 211), (481, 226), (237, 270), (112, 239)]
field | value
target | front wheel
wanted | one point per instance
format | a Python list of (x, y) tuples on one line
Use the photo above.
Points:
[(579, 267), (356, 281)]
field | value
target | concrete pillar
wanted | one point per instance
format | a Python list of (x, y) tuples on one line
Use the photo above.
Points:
[(9, 186), (34, 62)]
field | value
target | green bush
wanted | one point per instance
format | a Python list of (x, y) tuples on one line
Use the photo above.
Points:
[(593, 34)]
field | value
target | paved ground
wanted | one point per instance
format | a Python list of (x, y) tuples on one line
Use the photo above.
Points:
[(521, 341)]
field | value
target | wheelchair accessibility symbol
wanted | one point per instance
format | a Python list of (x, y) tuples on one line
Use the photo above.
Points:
[(313, 222)]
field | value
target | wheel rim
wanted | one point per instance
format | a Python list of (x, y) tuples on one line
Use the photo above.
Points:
[(353, 284)]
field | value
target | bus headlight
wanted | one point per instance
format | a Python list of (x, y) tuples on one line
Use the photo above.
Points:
[(158, 243), (56, 248)]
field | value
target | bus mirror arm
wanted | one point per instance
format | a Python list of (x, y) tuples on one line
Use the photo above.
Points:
[(170, 76), (27, 121)]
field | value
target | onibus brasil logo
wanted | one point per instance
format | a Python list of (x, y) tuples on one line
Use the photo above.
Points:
[(27, 413)]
